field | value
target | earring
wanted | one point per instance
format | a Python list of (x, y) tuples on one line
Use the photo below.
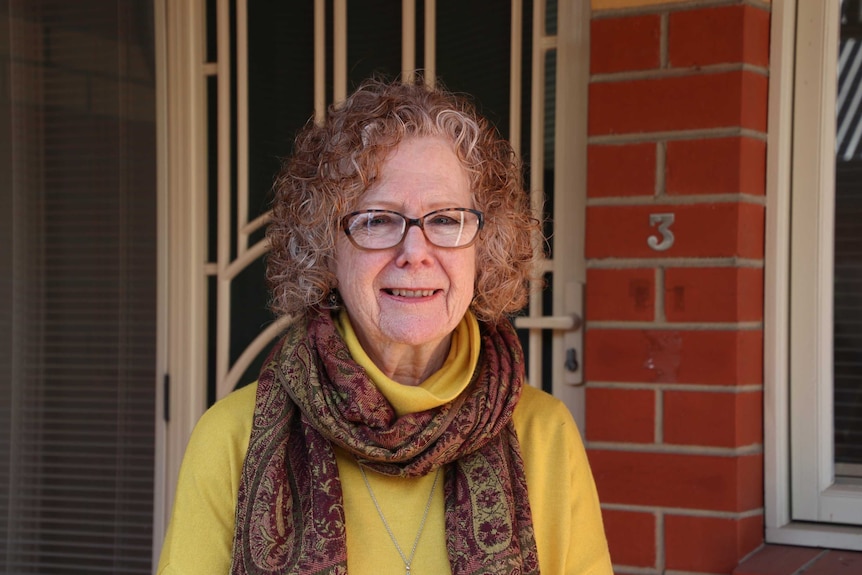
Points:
[(332, 300)]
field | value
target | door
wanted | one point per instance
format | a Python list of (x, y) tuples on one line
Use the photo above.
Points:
[(249, 74)]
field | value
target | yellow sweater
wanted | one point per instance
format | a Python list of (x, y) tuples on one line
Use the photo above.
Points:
[(566, 515)]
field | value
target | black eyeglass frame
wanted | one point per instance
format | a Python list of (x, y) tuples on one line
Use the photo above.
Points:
[(410, 222)]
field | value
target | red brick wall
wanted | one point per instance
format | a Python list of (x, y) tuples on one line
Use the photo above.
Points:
[(674, 353)]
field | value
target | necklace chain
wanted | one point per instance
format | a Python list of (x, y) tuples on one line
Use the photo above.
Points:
[(408, 562)]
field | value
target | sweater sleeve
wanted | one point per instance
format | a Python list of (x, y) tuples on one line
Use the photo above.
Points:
[(567, 516), (199, 538)]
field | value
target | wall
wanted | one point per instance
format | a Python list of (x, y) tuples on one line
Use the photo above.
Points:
[(674, 353)]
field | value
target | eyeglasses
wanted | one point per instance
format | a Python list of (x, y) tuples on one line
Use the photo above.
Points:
[(383, 229)]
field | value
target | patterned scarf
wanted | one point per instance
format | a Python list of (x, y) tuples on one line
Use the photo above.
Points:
[(311, 395)]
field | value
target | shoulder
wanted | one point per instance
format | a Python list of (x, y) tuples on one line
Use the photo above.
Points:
[(533, 398), (235, 409), (199, 536), (223, 431), (563, 500), (547, 432), (541, 412)]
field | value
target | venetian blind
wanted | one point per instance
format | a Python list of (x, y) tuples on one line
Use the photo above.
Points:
[(77, 382)]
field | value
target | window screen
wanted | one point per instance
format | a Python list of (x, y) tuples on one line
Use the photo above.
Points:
[(848, 247)]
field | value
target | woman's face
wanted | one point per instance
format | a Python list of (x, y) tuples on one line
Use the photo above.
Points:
[(415, 293)]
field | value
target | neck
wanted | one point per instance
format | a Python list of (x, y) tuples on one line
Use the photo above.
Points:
[(407, 364)]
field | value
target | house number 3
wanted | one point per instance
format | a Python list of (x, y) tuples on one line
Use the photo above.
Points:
[(663, 221)]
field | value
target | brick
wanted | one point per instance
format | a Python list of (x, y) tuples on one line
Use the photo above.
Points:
[(631, 537), (710, 544), (624, 44), (621, 170), (691, 102), (621, 295), (622, 415), (719, 35), (716, 166), (706, 482), (777, 560), (711, 357), (713, 294), (700, 230), (713, 419), (837, 563)]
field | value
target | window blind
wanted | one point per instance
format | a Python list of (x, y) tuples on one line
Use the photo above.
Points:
[(77, 394)]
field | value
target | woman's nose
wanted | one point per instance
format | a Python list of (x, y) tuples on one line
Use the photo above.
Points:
[(415, 247)]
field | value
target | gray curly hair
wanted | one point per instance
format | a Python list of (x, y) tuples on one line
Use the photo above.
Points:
[(335, 162)]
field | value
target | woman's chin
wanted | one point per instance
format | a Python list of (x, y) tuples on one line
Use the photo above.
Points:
[(415, 332)]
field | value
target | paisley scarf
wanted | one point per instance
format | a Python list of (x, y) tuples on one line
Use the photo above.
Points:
[(311, 395)]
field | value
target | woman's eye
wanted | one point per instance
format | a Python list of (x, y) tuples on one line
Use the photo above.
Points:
[(443, 221), (379, 220)]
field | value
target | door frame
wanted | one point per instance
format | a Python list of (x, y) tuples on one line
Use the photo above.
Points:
[(182, 249)]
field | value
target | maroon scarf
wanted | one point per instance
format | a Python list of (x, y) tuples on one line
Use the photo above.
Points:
[(311, 395)]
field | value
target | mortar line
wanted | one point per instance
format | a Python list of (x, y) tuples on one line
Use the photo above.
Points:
[(670, 135), (687, 262), (664, 200)]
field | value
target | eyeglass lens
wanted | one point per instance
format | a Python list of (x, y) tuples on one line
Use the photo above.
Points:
[(381, 229)]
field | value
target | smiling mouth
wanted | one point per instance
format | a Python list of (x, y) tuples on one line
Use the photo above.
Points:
[(411, 292)]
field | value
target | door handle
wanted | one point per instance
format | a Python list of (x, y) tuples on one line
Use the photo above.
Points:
[(569, 341)]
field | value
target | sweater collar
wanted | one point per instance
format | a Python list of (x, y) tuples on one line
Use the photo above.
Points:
[(441, 387)]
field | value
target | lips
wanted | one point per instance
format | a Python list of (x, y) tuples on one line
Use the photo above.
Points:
[(411, 292)]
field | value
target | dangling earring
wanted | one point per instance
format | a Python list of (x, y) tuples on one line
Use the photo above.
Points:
[(332, 300)]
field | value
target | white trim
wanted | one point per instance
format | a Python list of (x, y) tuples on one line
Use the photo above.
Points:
[(224, 175), (570, 196), (232, 270), (161, 480), (537, 188), (263, 339), (339, 50), (319, 61), (815, 535), (779, 526), (430, 43), (811, 271), (408, 41), (516, 74), (183, 163), (571, 45), (242, 167)]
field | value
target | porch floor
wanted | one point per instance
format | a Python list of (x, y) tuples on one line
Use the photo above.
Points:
[(788, 560)]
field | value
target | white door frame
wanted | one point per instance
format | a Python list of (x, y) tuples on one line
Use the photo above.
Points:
[(181, 137)]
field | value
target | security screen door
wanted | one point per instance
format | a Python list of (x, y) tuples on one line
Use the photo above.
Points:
[(271, 64)]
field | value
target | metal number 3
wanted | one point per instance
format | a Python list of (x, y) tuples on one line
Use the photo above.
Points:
[(663, 221)]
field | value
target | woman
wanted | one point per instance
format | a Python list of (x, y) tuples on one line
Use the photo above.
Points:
[(391, 429)]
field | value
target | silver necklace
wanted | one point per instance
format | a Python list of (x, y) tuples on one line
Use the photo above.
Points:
[(408, 562)]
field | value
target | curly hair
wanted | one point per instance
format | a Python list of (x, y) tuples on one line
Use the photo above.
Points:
[(335, 162)]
